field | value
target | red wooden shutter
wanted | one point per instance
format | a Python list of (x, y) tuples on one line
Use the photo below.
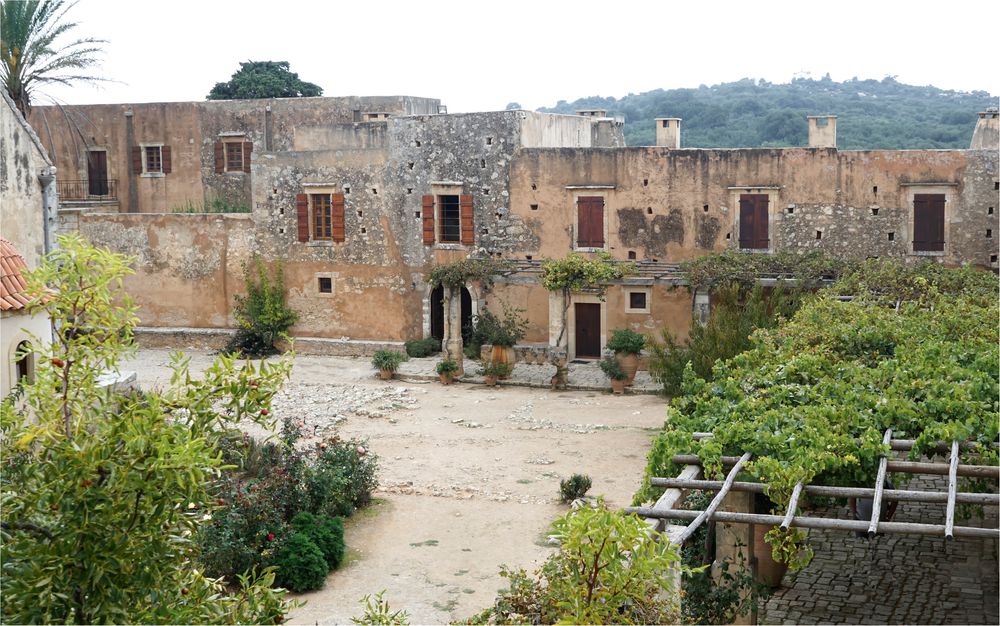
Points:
[(428, 219), (220, 157), (928, 222), (761, 225), (746, 221), (165, 159), (754, 227), (137, 159), (590, 222), (247, 150), (338, 216), (302, 215), (468, 227)]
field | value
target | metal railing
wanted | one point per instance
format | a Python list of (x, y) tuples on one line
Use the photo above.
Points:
[(98, 189)]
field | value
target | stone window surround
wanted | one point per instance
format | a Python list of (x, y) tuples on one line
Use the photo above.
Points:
[(232, 137), (311, 189), (628, 299), (584, 298), (590, 190), (446, 188), (142, 152), (909, 191), (333, 284), (773, 194)]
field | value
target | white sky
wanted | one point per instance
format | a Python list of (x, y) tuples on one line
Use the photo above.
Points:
[(480, 55)]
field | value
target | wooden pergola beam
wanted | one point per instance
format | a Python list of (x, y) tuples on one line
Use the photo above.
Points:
[(714, 504), (883, 463), (793, 502), (901, 445), (900, 467), (949, 515)]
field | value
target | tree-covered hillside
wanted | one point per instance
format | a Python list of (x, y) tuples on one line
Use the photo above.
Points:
[(871, 114)]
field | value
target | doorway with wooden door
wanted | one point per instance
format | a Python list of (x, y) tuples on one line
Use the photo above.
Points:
[(97, 173), (587, 330)]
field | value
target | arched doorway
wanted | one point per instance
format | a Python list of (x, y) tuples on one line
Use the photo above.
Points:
[(23, 363), (437, 312)]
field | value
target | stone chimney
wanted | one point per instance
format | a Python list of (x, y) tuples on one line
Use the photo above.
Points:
[(592, 112), (987, 133), (668, 132), (822, 131)]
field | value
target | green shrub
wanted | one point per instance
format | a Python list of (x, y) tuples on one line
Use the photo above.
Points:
[(301, 566), (420, 348), (262, 316), (341, 478), (613, 369), (388, 360), (378, 613), (496, 368), (574, 487), (447, 367), (489, 328), (608, 570), (327, 533), (626, 341)]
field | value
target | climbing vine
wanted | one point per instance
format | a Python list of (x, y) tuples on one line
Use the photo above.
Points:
[(460, 273), (578, 273), (746, 268), (811, 399)]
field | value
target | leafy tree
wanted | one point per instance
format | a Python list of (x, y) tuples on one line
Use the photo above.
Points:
[(101, 491), (32, 52), (262, 315), (264, 79), (513, 106)]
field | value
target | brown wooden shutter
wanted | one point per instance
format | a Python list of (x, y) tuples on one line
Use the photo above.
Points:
[(247, 151), (928, 222), (468, 225), (165, 159), (754, 227), (302, 215), (590, 222), (338, 217), (746, 221), (761, 225), (137, 159), (428, 219), (220, 157)]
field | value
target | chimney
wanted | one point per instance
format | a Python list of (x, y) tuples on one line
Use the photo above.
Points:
[(822, 131), (986, 136), (668, 132), (592, 112)]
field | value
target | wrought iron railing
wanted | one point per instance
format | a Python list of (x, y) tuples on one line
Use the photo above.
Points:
[(96, 189)]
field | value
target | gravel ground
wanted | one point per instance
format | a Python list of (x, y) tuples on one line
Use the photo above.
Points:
[(469, 476)]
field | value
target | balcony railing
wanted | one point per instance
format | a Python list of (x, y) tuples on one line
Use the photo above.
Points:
[(96, 190)]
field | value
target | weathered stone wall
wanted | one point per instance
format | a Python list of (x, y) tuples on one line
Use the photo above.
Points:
[(187, 268), (673, 205), (22, 161)]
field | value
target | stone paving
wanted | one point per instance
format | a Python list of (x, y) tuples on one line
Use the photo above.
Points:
[(582, 376), (894, 579)]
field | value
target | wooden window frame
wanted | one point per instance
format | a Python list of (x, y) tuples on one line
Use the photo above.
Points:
[(145, 150), (923, 205), (910, 191), (774, 215), (320, 229), (645, 291), (440, 217), (233, 164)]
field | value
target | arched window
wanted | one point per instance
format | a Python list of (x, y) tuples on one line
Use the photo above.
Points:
[(24, 362)]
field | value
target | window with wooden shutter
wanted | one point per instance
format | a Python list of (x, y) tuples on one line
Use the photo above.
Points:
[(427, 216), (220, 157), (754, 227), (928, 222), (234, 156), (449, 219), (468, 227), (302, 215), (590, 222), (338, 217), (322, 217), (167, 162), (153, 160), (247, 150), (136, 159)]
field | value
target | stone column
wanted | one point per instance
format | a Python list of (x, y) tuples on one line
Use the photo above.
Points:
[(733, 539), (702, 306), (452, 343), (557, 302)]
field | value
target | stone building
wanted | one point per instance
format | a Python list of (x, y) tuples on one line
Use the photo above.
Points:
[(27, 201), (362, 197)]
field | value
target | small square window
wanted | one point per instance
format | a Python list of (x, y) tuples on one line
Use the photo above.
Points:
[(325, 284), (638, 301)]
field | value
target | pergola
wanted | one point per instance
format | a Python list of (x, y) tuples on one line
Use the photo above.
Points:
[(689, 478)]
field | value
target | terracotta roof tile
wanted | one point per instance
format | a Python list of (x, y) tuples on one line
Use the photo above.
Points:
[(12, 283)]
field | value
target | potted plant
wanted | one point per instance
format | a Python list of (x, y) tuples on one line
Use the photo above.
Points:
[(446, 369), (387, 362), (494, 370), (501, 332), (613, 370), (627, 345)]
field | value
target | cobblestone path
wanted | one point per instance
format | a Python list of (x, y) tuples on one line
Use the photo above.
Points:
[(895, 579)]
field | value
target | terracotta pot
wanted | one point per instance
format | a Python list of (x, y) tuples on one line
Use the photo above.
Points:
[(769, 571), (630, 364), (490, 380), (445, 379), (618, 386), (386, 374), (503, 354)]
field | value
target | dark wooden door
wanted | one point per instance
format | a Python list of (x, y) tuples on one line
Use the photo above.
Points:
[(588, 330), (928, 222), (753, 221), (97, 172), (437, 312)]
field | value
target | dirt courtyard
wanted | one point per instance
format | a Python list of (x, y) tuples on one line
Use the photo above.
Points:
[(469, 477)]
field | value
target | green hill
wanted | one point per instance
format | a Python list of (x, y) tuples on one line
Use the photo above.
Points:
[(871, 114)]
